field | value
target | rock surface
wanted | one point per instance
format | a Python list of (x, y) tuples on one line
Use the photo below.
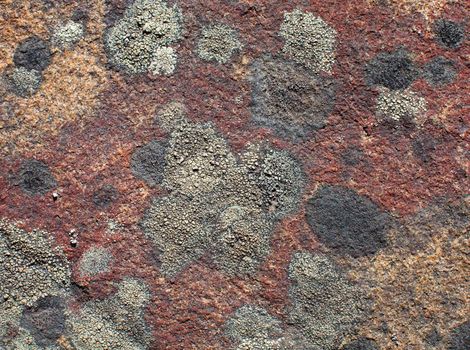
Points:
[(234, 174)]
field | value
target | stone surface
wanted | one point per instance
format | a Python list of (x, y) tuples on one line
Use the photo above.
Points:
[(223, 174)]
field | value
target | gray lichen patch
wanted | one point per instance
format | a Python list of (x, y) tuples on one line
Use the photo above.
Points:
[(347, 222), (34, 177), (23, 82), (198, 159), (289, 98), (116, 322), (449, 33), (439, 71), (146, 26), (309, 40), (218, 43), (325, 305), (94, 261), (218, 203), (148, 162), (243, 240), (400, 105), (31, 266), (31, 269), (67, 35), (33, 53), (279, 176), (45, 320), (175, 225), (253, 328)]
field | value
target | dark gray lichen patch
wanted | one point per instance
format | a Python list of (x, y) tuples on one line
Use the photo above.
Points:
[(105, 196), (33, 54), (449, 33), (394, 70), (290, 99), (34, 177), (148, 162), (459, 338), (361, 344), (439, 71), (346, 221), (45, 320), (325, 305)]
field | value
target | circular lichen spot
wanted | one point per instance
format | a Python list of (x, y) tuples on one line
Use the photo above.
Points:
[(309, 40), (218, 42), (440, 71), (394, 70), (32, 54), (67, 35), (346, 221), (148, 162), (94, 261), (449, 33), (35, 177), (23, 82), (289, 98)]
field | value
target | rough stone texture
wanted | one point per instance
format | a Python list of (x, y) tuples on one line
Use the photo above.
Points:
[(197, 242)]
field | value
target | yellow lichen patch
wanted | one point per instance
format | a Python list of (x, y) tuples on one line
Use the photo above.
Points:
[(428, 8), (420, 283)]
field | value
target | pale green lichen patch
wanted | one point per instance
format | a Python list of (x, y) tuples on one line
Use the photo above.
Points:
[(325, 305), (94, 261), (253, 328), (218, 43), (67, 35), (218, 203), (309, 40), (164, 61), (116, 322), (133, 43), (398, 105), (24, 82)]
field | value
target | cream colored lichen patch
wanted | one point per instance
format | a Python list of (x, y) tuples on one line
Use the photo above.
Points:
[(397, 105)]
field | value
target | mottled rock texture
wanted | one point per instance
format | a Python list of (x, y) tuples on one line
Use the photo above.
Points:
[(234, 174)]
